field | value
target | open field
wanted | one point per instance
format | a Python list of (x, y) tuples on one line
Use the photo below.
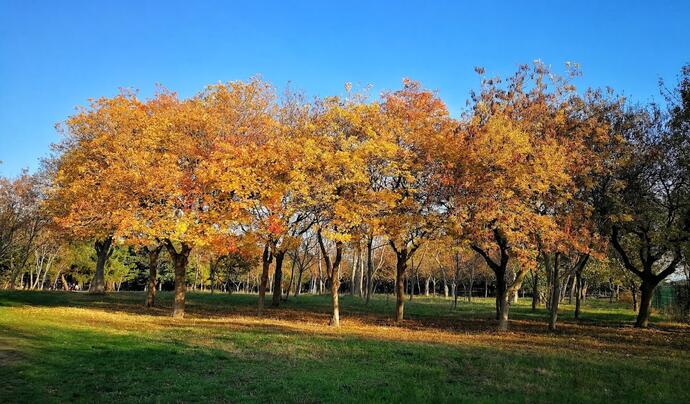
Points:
[(57, 347)]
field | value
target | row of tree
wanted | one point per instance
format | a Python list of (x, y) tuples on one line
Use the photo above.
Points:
[(534, 175)]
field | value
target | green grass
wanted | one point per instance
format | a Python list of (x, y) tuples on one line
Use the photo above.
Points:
[(57, 347)]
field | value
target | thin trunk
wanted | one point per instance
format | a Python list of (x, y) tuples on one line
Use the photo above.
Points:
[(578, 293), (278, 278), (266, 259), (292, 277), (555, 298), (370, 267), (400, 269), (535, 290)]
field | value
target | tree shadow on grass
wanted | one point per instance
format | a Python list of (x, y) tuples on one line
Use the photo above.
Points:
[(468, 319)]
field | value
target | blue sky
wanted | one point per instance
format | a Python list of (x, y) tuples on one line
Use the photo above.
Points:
[(55, 55)]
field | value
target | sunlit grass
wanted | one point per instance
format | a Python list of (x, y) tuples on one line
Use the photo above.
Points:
[(76, 347)]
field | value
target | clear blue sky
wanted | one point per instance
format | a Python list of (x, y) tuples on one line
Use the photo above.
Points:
[(55, 55)]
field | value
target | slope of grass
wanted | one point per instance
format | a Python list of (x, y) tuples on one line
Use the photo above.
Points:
[(57, 347)]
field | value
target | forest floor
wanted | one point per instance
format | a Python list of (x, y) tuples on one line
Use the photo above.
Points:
[(67, 347)]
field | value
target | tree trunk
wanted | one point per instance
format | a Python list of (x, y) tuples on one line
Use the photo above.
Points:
[(335, 287), (180, 264), (400, 269), (501, 298), (153, 269), (278, 278), (298, 291), (266, 259), (578, 293), (103, 251), (333, 271), (370, 267), (555, 297), (535, 290), (646, 293), (212, 273), (633, 292), (504, 307), (292, 278)]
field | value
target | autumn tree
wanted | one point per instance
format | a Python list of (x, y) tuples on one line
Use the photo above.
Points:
[(337, 190), (88, 198), (648, 201), (512, 170), (417, 124)]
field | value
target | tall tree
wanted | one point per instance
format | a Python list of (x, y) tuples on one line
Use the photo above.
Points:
[(417, 124)]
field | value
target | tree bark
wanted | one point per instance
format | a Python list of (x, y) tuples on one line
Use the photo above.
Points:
[(103, 251), (535, 290), (400, 269), (555, 297), (578, 293), (266, 259), (180, 264), (153, 269), (278, 278), (333, 272), (370, 267), (646, 293)]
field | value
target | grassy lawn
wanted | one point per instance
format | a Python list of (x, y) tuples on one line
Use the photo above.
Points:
[(57, 347)]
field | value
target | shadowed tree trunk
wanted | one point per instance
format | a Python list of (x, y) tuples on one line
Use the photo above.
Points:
[(278, 278), (266, 259), (370, 267), (153, 273), (179, 260), (646, 294), (400, 269), (103, 251), (578, 293), (535, 290), (555, 294)]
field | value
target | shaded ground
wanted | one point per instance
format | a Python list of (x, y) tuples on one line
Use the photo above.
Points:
[(57, 347)]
